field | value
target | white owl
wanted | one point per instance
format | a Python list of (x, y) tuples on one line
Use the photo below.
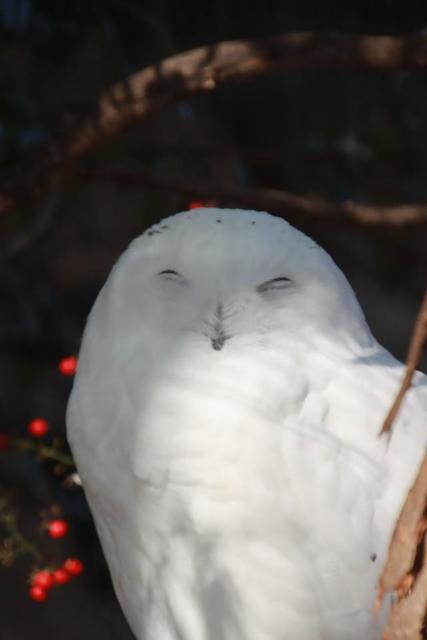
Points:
[(225, 419)]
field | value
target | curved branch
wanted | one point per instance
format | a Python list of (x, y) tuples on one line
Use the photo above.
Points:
[(289, 205), (203, 69), (405, 571)]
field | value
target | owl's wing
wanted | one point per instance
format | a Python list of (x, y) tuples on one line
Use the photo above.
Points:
[(359, 398), (349, 482)]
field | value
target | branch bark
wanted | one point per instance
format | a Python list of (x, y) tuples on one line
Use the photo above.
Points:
[(405, 571), (203, 69)]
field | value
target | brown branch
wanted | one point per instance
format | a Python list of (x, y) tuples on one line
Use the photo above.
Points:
[(290, 205), (406, 568), (416, 348), (405, 571), (203, 69), (402, 548)]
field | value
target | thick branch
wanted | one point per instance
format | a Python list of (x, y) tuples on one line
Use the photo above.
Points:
[(406, 536), (405, 571), (203, 69), (289, 205)]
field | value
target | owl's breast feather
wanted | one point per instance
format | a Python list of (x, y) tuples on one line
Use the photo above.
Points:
[(217, 420), (274, 508)]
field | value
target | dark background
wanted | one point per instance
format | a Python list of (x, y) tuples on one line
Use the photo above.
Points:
[(346, 135)]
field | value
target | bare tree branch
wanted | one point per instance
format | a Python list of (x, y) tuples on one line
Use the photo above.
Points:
[(405, 571), (416, 348), (203, 69), (276, 201)]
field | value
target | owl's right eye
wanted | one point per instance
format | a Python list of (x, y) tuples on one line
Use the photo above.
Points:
[(170, 274), (281, 282)]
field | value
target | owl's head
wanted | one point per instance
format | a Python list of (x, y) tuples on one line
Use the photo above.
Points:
[(223, 276)]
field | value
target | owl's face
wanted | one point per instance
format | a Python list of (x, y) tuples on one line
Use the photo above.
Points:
[(222, 276)]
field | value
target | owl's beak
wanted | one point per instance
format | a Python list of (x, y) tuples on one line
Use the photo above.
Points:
[(217, 334), (218, 342)]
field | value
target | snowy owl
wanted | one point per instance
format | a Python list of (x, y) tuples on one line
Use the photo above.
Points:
[(224, 421)]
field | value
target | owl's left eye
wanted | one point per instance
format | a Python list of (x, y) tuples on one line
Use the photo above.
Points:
[(170, 274), (272, 285)]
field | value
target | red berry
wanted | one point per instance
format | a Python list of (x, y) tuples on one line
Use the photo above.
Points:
[(38, 427), (57, 528), (38, 593), (195, 204), (4, 441), (74, 566), (61, 576), (43, 579), (68, 366)]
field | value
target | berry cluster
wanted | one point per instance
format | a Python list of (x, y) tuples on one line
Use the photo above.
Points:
[(42, 581), (15, 544), (39, 427)]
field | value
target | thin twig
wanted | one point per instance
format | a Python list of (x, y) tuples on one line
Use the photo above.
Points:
[(21, 544), (416, 348)]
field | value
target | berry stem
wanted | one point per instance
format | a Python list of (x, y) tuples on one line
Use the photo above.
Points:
[(21, 545), (43, 451), (49, 453)]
